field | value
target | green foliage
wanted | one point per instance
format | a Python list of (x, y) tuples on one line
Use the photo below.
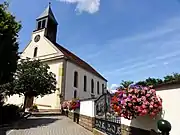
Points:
[(32, 79), (172, 78), (9, 113), (34, 108), (125, 84), (175, 77), (9, 29), (150, 81)]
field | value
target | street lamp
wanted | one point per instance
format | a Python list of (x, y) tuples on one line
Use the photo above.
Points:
[(164, 126)]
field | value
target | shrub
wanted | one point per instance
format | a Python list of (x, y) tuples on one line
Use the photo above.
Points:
[(9, 113), (34, 108), (74, 104)]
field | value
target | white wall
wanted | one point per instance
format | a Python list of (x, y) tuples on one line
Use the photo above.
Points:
[(15, 99), (44, 46), (69, 87), (52, 101), (171, 110), (87, 108)]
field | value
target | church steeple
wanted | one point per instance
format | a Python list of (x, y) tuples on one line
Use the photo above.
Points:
[(47, 20)]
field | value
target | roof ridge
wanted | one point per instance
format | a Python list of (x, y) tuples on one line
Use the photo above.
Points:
[(78, 60)]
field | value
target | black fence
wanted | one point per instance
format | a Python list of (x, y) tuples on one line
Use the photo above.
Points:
[(105, 121)]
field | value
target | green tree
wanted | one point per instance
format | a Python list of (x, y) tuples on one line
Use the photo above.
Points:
[(150, 81), (125, 84), (171, 78), (32, 79), (9, 29)]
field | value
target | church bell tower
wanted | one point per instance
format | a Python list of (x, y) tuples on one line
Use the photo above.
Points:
[(48, 22)]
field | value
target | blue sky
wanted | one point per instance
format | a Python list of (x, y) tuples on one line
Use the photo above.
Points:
[(122, 39)]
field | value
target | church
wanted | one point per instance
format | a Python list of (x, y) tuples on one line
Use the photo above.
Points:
[(75, 78)]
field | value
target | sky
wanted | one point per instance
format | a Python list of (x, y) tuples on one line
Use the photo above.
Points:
[(122, 39)]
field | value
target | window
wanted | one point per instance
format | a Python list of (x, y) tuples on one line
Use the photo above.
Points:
[(98, 87), (92, 86), (39, 25), (76, 79), (102, 88), (35, 52), (43, 23), (75, 94), (85, 83)]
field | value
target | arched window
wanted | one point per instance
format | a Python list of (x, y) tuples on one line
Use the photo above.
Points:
[(35, 51), (102, 88), (92, 86), (85, 83), (75, 94), (97, 87), (76, 79)]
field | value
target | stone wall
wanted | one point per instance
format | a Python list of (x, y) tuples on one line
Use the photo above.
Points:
[(87, 122), (70, 115)]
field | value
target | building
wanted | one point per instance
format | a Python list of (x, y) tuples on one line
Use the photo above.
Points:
[(75, 78)]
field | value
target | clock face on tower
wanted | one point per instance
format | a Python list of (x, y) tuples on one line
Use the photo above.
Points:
[(37, 38)]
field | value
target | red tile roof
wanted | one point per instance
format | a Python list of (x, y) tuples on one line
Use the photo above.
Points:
[(75, 59)]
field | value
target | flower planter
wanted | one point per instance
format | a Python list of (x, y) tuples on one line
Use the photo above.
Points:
[(136, 101)]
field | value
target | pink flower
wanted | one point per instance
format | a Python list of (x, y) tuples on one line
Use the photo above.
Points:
[(152, 114), (144, 111), (143, 106), (136, 107), (155, 105), (138, 99), (136, 90), (160, 107), (134, 96), (129, 104), (133, 100), (152, 103), (147, 95), (151, 106), (145, 88), (130, 90), (153, 90), (143, 91), (122, 102), (143, 98), (124, 95)]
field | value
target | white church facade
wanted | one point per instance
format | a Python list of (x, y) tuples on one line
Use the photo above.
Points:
[(75, 78)]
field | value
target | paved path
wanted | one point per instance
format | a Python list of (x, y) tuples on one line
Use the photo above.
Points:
[(49, 125)]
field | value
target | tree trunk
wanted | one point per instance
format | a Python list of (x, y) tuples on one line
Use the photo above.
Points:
[(24, 106), (28, 102)]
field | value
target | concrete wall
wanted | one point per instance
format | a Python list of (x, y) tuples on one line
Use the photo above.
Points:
[(87, 108), (69, 87)]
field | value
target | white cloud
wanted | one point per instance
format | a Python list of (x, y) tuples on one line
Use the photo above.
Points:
[(90, 6), (166, 63), (114, 86)]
